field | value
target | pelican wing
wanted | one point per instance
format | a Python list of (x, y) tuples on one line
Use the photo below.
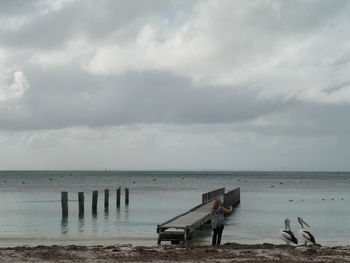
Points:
[(289, 235), (309, 236)]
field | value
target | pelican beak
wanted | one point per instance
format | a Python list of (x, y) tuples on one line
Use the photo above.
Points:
[(302, 220)]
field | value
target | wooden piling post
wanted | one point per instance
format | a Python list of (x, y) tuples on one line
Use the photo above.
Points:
[(94, 202), (106, 199), (118, 197), (126, 196), (81, 203), (64, 202)]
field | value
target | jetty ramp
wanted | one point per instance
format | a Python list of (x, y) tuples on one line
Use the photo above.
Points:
[(180, 228)]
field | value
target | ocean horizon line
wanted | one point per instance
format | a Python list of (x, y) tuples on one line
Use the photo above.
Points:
[(175, 170)]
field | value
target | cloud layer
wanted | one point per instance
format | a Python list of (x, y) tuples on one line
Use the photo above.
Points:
[(270, 69)]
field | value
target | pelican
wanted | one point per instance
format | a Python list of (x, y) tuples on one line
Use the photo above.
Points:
[(304, 234), (286, 234)]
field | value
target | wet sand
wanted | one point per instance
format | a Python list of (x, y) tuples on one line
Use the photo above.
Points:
[(230, 252)]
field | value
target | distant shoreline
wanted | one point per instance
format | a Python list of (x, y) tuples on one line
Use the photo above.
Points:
[(177, 171), (229, 252)]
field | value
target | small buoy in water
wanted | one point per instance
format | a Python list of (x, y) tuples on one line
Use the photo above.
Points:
[(272, 186), (182, 178), (302, 200), (23, 182), (332, 198), (281, 182), (342, 199), (50, 179), (239, 179), (154, 179), (5, 181), (134, 182), (322, 199)]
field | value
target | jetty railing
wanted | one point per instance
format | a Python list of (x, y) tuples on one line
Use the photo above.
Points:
[(232, 197), (212, 194)]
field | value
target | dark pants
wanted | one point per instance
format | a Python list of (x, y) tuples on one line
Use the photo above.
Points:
[(217, 232)]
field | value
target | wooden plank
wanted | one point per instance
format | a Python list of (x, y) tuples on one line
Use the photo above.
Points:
[(176, 217), (190, 217)]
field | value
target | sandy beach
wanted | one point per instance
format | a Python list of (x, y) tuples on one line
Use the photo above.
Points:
[(229, 252)]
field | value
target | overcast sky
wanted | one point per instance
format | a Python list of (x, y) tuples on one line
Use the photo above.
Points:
[(175, 84)]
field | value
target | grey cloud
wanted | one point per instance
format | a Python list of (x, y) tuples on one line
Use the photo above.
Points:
[(150, 118), (96, 20), (304, 119), (266, 30), (59, 99), (338, 87), (63, 97), (293, 17), (10, 8)]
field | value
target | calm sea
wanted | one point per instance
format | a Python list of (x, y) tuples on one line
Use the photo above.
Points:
[(31, 208)]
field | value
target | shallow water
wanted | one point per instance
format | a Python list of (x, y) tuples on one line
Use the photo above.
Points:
[(31, 207)]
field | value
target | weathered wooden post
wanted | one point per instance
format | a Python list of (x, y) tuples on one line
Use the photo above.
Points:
[(118, 197), (64, 202), (81, 203), (126, 196), (94, 202), (106, 199)]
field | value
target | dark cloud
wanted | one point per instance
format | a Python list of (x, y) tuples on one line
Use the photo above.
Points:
[(68, 97)]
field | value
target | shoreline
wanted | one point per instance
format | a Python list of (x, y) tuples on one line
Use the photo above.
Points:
[(10, 241), (228, 252)]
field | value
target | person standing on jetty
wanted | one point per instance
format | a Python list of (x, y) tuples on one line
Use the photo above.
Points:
[(218, 221)]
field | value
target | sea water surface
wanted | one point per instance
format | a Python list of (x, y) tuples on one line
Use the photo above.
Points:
[(30, 205)]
